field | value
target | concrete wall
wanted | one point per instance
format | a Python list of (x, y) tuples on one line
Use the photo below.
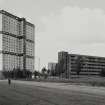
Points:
[(1, 61), (0, 22)]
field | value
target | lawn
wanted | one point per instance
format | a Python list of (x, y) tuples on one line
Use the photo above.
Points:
[(41, 93), (17, 94)]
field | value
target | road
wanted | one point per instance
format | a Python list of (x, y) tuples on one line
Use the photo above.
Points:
[(40, 93)]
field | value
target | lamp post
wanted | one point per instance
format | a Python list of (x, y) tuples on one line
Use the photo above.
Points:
[(37, 63)]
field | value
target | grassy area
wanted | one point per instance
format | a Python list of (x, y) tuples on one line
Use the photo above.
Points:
[(16, 94), (86, 80), (20, 93)]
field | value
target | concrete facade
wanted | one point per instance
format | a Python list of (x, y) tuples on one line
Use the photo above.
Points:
[(52, 66), (89, 65), (16, 43)]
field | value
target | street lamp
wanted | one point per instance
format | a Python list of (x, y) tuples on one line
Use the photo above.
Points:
[(37, 63)]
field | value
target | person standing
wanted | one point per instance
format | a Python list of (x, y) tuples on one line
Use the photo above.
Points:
[(9, 81)]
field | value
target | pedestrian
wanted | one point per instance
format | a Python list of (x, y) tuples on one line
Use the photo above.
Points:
[(9, 81)]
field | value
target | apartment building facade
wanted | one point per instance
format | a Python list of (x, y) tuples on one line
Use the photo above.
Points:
[(16, 43), (63, 63), (88, 65)]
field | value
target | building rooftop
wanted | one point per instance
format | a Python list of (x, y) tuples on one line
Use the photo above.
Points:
[(15, 17), (82, 55)]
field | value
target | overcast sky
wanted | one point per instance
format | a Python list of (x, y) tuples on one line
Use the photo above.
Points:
[(76, 26)]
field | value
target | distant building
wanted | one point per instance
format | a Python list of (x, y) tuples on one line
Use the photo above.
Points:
[(63, 60), (88, 65), (16, 43), (52, 66)]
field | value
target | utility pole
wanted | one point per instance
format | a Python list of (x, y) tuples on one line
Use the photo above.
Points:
[(38, 63)]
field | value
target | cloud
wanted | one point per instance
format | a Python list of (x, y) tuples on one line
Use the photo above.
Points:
[(76, 25), (71, 27)]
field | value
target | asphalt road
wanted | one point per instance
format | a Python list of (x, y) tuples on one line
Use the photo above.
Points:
[(40, 93)]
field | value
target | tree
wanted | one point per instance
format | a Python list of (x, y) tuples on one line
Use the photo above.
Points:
[(36, 73), (5, 73), (48, 72), (17, 73), (44, 72), (28, 74)]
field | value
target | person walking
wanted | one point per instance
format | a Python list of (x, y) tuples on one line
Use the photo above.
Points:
[(9, 81)]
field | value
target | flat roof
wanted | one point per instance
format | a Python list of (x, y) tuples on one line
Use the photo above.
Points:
[(15, 17), (81, 55), (87, 55)]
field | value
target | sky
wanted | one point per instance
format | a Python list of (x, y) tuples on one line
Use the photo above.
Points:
[(76, 26)]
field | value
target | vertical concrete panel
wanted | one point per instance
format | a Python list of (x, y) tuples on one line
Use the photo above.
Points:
[(1, 62), (1, 42), (0, 22), (29, 32)]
